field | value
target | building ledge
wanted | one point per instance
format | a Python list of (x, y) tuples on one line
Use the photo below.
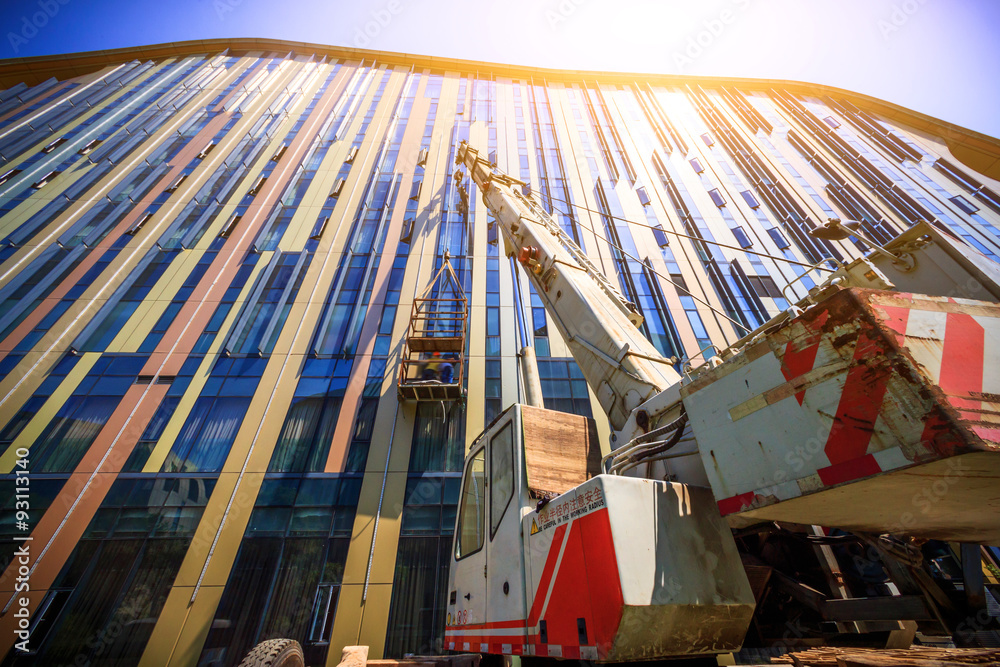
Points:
[(978, 151)]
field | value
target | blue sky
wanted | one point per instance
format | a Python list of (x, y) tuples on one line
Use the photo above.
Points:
[(940, 57)]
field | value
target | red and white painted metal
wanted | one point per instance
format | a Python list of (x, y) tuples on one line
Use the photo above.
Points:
[(616, 569), (865, 383)]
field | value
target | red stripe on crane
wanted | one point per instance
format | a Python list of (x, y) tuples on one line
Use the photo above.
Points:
[(735, 503), (797, 362), (962, 362), (860, 402), (544, 583), (896, 318), (988, 433), (800, 354), (847, 471)]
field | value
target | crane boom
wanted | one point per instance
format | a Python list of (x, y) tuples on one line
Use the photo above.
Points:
[(598, 324)]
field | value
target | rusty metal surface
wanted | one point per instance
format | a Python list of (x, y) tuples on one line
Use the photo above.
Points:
[(689, 630)]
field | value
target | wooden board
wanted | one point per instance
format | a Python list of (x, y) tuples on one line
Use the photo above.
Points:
[(561, 450), (454, 344), (430, 391), (917, 656)]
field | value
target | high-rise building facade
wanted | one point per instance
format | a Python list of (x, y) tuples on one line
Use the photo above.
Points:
[(208, 257)]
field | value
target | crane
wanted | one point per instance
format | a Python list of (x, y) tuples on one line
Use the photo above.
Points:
[(870, 405)]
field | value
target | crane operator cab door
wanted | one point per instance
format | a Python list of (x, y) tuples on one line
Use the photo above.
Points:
[(486, 601)]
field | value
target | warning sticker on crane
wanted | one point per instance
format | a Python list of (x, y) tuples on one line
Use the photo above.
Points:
[(584, 502)]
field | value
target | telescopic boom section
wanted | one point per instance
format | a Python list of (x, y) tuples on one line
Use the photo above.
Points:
[(599, 325)]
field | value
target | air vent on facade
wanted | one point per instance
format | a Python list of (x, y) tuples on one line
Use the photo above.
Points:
[(9, 175), (176, 184), (337, 187), (55, 144), (144, 379), (257, 186), (44, 180), (134, 229), (407, 234), (230, 226), (91, 145), (320, 228), (205, 151), (165, 379)]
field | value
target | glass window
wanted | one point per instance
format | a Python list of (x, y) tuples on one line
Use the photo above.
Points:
[(416, 614), (494, 399), (660, 236), (750, 199), (438, 439), (470, 524), (115, 581), (964, 204), (717, 197), (560, 389), (71, 433), (307, 433), (207, 435), (741, 237), (643, 196), (778, 238), (502, 471)]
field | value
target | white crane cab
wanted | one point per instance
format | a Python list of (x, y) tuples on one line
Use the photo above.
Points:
[(553, 559)]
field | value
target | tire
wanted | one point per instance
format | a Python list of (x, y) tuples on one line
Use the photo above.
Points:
[(275, 653)]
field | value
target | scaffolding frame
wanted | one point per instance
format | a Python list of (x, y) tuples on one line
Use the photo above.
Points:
[(437, 324)]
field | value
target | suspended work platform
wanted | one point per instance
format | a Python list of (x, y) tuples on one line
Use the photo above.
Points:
[(433, 362)]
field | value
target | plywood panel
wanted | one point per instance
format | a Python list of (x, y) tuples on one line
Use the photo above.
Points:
[(561, 450)]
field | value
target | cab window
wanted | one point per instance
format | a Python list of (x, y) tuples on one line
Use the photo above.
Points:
[(471, 523), (502, 473)]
